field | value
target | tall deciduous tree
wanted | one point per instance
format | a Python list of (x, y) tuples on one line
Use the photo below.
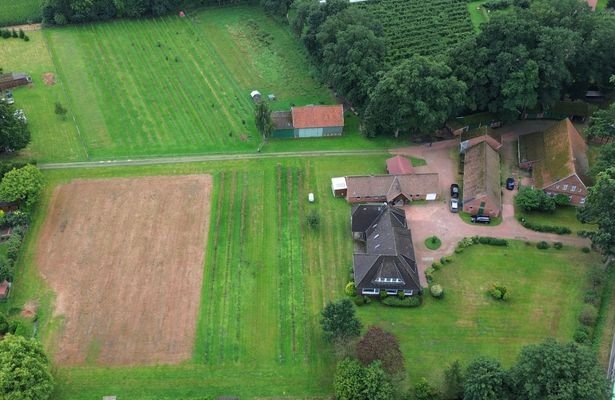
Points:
[(24, 369), (602, 124), (353, 381), (606, 159), (485, 380), (262, 117), (352, 58), (14, 132), (416, 96), (424, 391), (22, 185), (552, 370), (339, 321), (380, 345), (600, 208)]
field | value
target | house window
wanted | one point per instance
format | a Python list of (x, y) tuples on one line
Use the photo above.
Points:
[(557, 186), (582, 201), (565, 187), (573, 188)]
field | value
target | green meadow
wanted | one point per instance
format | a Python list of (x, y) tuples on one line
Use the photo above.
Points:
[(268, 274), (13, 12)]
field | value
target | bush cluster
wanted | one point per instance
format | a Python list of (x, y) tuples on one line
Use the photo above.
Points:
[(589, 314), (436, 291), (429, 274), (560, 230), (492, 241), (530, 199), (558, 245), (16, 220), (585, 234), (499, 292), (467, 242), (542, 245), (350, 289), (410, 301)]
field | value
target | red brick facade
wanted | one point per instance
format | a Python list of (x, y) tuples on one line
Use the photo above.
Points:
[(489, 207), (572, 187)]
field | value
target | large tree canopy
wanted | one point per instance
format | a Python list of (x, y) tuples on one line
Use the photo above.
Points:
[(416, 96), (556, 371), (14, 132), (24, 369), (339, 322), (353, 381), (380, 345), (600, 208), (532, 57), (485, 380), (22, 185)]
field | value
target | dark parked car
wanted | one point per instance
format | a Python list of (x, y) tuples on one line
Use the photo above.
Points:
[(454, 191), (510, 184), (480, 219)]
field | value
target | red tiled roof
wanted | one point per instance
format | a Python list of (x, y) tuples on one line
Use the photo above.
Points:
[(318, 116), (399, 165)]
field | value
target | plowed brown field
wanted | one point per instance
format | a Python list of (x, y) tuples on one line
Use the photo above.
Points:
[(125, 259)]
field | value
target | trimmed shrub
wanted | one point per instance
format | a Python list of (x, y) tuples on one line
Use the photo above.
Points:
[(492, 241), (560, 230), (466, 242), (459, 250), (589, 315), (383, 294), (447, 260), (542, 245), (436, 265), (582, 335), (585, 249), (558, 245), (358, 300), (26, 38), (410, 301), (350, 289), (561, 200), (21, 33), (436, 291), (429, 274)]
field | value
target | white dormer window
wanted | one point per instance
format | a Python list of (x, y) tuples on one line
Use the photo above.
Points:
[(565, 187), (573, 188)]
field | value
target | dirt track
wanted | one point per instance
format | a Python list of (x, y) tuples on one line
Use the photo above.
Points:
[(125, 258)]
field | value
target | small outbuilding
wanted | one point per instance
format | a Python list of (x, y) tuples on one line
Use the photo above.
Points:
[(309, 121), (338, 186), (256, 95), (14, 79)]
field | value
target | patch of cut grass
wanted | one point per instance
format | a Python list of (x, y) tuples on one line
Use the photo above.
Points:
[(433, 243), (562, 216)]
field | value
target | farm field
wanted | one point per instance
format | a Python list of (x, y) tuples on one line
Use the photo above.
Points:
[(125, 258), (170, 86), (267, 275), (427, 28), (13, 12), (53, 138)]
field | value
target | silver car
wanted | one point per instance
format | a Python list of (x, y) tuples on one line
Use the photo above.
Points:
[(454, 205)]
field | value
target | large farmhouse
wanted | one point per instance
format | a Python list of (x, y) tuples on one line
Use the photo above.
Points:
[(393, 189), (384, 256), (309, 121), (558, 161)]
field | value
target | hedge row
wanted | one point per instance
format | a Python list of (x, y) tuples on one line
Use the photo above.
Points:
[(560, 230)]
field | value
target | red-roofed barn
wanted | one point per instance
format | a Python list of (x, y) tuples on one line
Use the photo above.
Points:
[(309, 121)]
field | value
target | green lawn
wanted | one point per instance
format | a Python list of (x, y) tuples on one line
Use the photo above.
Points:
[(478, 14), (52, 137), (547, 295), (14, 12), (268, 275), (563, 216)]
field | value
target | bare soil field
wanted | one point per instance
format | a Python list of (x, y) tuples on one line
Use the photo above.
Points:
[(125, 259)]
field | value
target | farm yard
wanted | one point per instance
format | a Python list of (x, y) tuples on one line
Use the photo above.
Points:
[(268, 274), (427, 28)]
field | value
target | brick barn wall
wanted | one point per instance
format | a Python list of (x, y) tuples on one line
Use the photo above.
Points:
[(566, 186)]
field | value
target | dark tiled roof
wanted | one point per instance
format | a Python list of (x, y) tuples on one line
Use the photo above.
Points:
[(282, 120), (318, 116), (389, 261)]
